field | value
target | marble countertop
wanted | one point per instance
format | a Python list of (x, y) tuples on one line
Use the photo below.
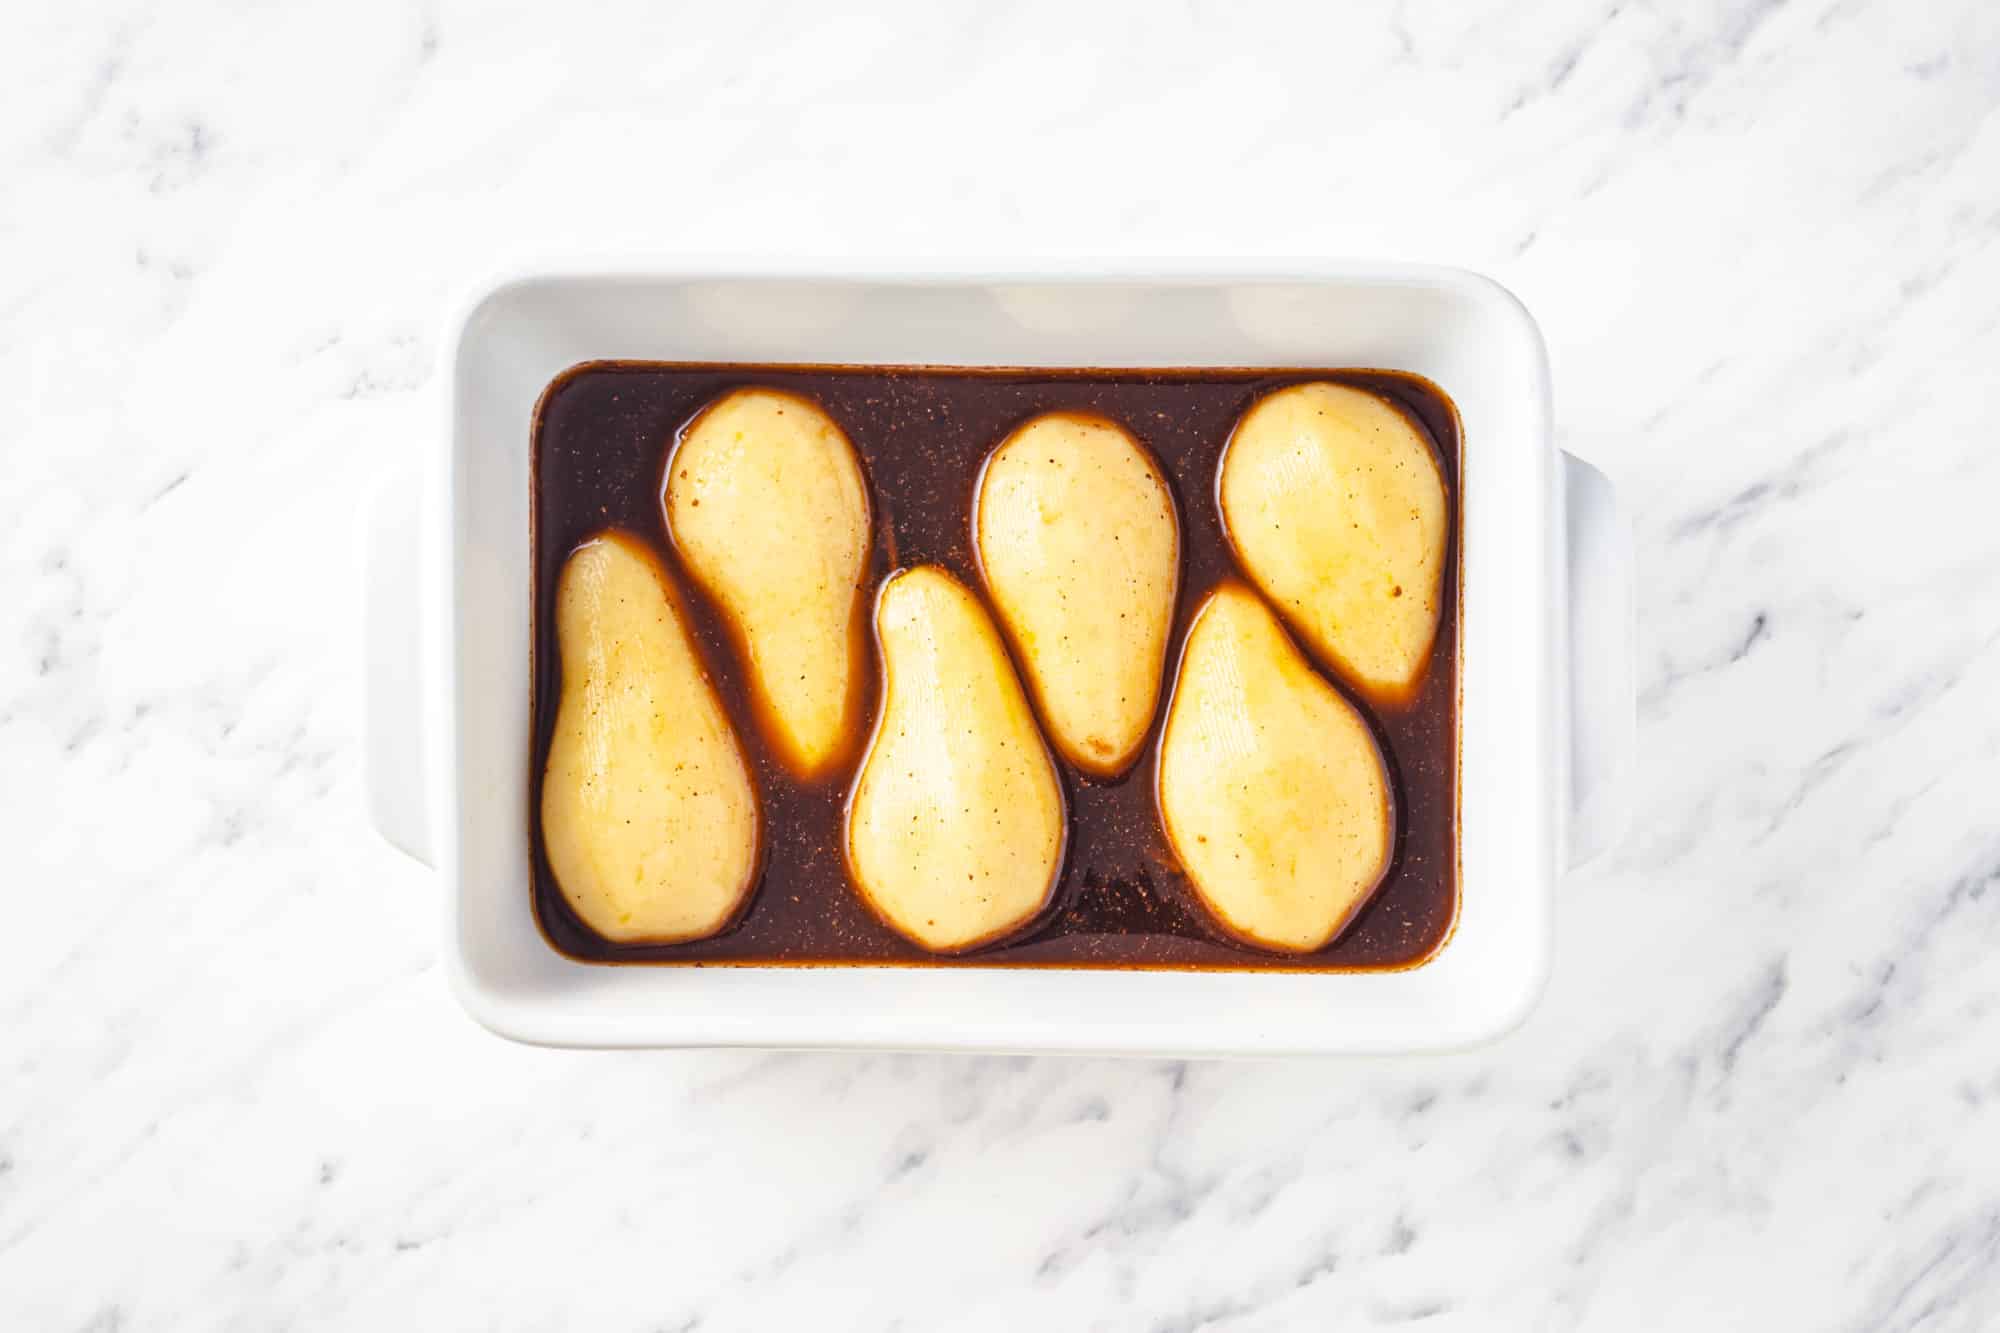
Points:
[(1763, 1089)]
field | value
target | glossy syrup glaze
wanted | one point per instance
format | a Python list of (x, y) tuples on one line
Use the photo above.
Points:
[(601, 436)]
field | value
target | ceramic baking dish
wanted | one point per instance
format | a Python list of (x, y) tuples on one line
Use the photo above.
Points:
[(1546, 688)]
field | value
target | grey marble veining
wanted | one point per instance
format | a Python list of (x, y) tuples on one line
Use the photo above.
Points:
[(1763, 240)]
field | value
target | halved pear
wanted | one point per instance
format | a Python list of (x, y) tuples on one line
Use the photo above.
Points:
[(1080, 548), (649, 814), (956, 825), (1335, 503), (1272, 791), (768, 508)]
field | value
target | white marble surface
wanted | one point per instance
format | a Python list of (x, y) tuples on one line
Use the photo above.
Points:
[(1764, 1087)]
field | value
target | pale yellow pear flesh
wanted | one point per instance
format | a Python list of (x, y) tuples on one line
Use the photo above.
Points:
[(1079, 546), (1335, 504), (649, 813), (956, 824), (1272, 791), (769, 511)]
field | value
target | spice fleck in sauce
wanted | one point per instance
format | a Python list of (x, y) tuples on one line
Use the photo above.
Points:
[(601, 437)]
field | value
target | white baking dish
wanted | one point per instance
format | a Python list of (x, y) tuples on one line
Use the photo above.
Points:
[(1546, 706)]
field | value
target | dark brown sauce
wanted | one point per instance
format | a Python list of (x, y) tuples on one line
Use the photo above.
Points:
[(601, 435)]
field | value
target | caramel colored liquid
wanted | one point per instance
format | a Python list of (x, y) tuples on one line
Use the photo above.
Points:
[(600, 440)]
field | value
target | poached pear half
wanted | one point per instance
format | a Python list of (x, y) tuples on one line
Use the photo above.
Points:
[(1272, 791), (1335, 504), (649, 813), (767, 505), (1079, 546), (956, 825)]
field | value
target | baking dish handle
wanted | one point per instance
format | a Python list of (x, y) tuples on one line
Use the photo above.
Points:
[(1603, 716), (393, 638)]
